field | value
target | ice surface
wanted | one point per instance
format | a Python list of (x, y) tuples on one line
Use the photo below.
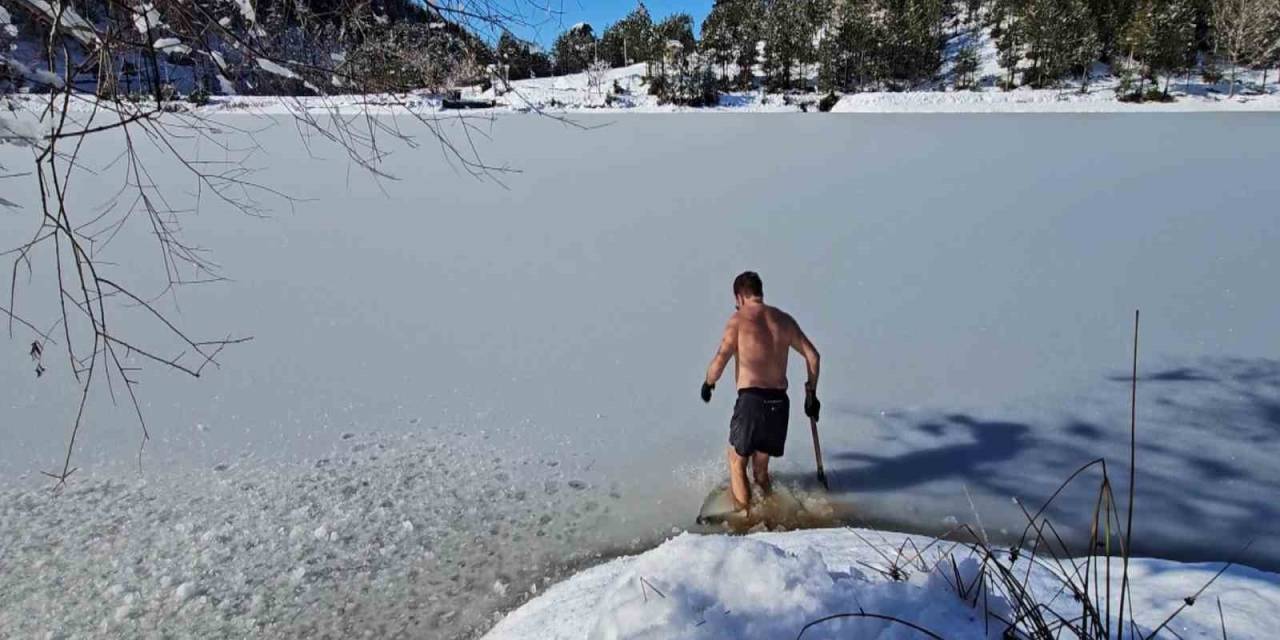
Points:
[(969, 280)]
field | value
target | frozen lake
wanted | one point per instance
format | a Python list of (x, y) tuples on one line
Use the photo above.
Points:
[(970, 281)]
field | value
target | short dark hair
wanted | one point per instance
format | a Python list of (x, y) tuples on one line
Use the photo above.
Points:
[(748, 284)]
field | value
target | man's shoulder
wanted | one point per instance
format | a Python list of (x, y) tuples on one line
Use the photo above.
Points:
[(779, 313)]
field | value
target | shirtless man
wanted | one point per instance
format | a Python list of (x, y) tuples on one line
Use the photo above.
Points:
[(759, 338)]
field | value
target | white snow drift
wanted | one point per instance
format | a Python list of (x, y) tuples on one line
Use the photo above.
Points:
[(772, 585)]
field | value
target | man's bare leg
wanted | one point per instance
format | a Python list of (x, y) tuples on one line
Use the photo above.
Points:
[(760, 469), (738, 485)]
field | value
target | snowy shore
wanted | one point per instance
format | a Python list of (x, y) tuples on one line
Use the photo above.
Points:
[(574, 94), (770, 585)]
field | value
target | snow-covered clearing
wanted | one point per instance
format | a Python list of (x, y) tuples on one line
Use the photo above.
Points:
[(969, 280), (770, 585)]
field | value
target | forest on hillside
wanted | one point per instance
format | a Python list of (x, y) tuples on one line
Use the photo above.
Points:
[(898, 45), (208, 47)]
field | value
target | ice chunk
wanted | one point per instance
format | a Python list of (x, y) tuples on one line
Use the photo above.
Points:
[(124, 612), (185, 592)]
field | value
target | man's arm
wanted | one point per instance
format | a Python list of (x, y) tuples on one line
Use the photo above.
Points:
[(812, 359), (728, 349)]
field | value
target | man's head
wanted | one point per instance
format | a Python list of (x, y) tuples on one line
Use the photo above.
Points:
[(747, 286)]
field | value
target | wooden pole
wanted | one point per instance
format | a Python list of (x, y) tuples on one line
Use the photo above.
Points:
[(817, 454)]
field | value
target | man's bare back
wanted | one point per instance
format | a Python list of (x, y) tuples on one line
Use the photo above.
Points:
[(761, 337), (758, 338)]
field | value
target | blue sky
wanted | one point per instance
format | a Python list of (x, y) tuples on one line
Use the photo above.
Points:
[(601, 13)]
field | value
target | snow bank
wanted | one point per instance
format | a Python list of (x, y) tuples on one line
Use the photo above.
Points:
[(771, 585), (1039, 100), (20, 126), (725, 587)]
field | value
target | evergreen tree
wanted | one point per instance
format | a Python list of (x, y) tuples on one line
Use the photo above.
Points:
[(730, 34), (1110, 18), (574, 49), (914, 39), (717, 39), (789, 32), (1008, 32), (677, 28), (629, 40), (1081, 44), (966, 66), (673, 40), (1174, 49), (1139, 41), (521, 58), (1265, 54), (1061, 40), (850, 53)]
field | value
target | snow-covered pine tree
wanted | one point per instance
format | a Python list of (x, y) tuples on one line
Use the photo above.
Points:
[(574, 49), (731, 31), (914, 39), (521, 59), (1265, 54), (966, 66), (629, 40), (673, 42), (850, 53), (1139, 42), (1080, 42), (717, 40), (1008, 30), (1110, 18), (747, 32), (1174, 49), (787, 35)]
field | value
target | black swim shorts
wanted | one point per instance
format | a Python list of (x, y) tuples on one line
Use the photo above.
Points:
[(759, 421)]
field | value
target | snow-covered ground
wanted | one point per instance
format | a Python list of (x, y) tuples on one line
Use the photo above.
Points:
[(771, 585), (969, 280)]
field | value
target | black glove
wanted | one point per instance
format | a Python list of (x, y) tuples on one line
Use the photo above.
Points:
[(706, 391), (811, 404)]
